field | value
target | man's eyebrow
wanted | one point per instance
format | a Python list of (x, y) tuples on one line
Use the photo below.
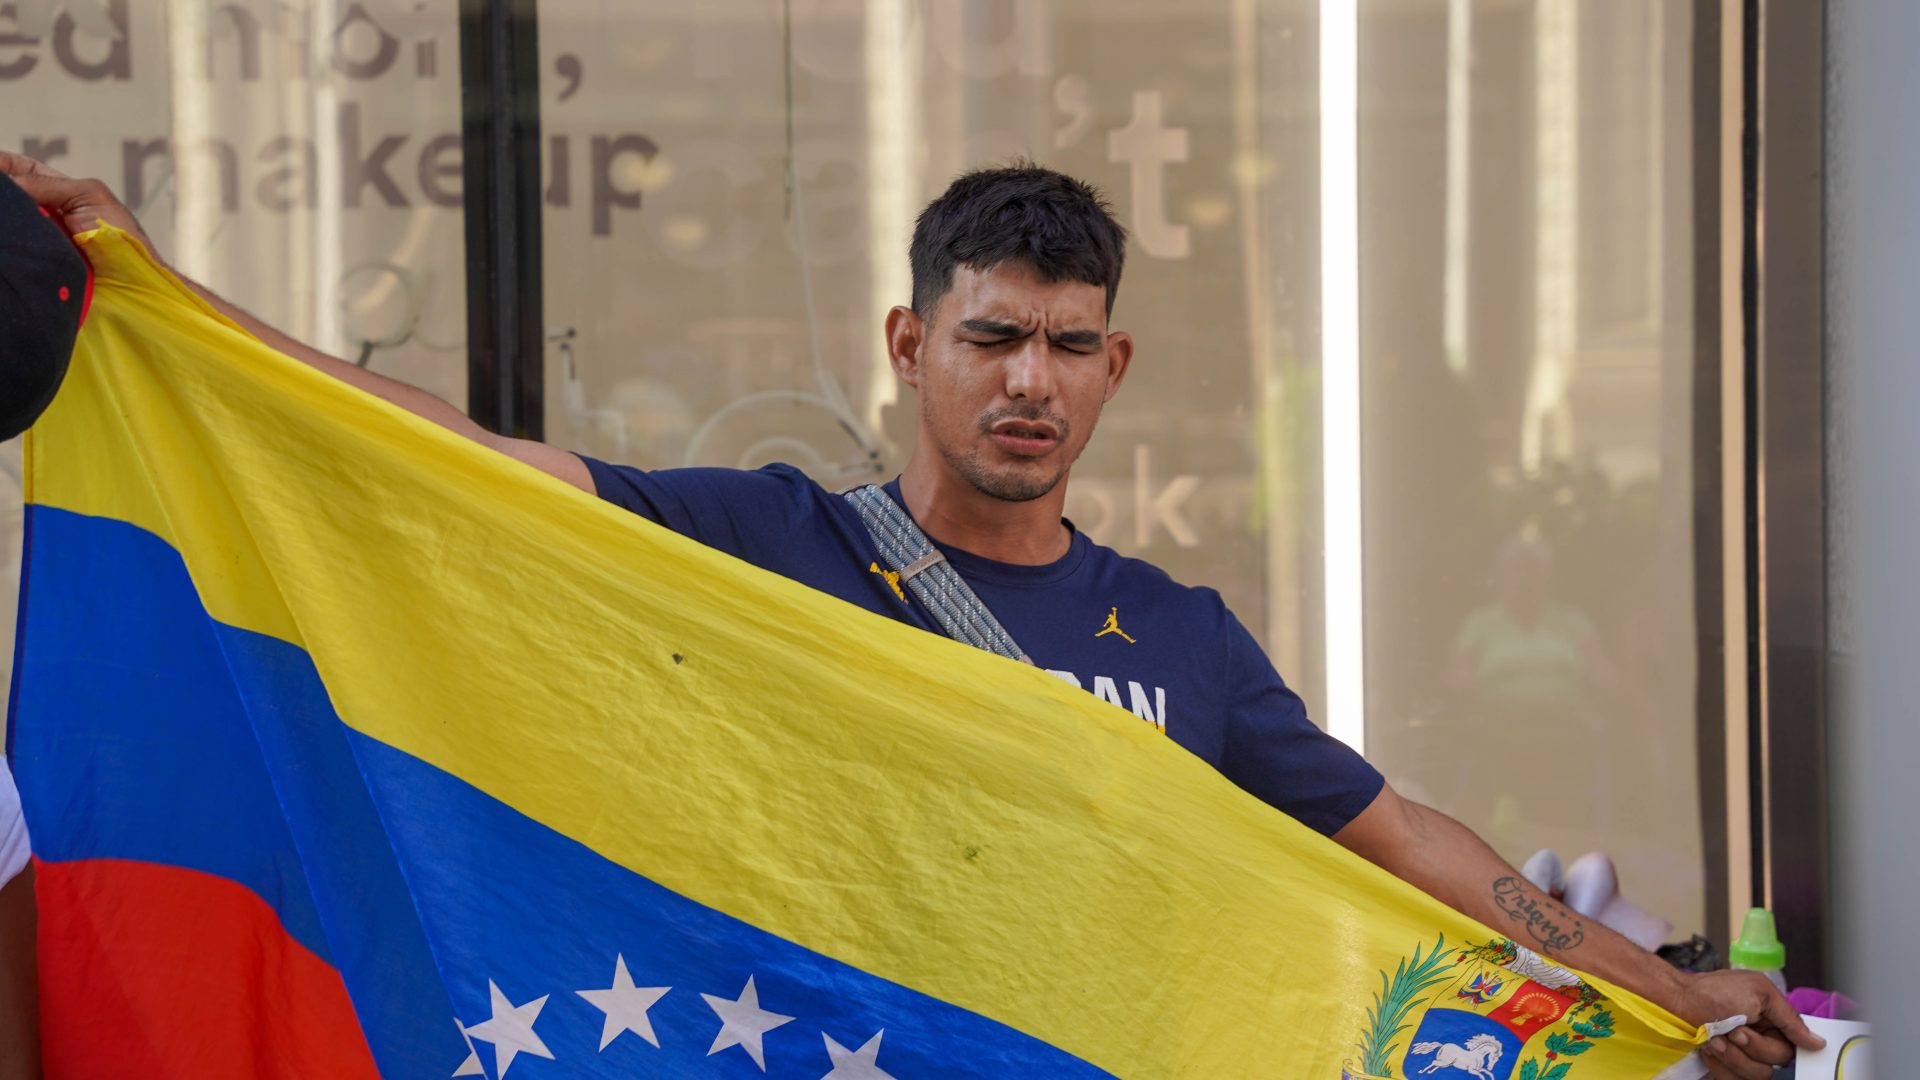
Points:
[(996, 328), (1077, 337), (993, 328)]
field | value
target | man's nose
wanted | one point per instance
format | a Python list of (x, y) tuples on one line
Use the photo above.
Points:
[(1030, 371)]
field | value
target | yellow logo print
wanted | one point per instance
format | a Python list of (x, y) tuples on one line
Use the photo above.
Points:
[(1113, 626), (892, 577)]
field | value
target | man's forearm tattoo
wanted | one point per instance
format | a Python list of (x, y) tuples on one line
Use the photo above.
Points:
[(1551, 926)]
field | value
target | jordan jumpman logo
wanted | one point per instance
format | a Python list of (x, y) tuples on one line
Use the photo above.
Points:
[(892, 578), (1113, 626)]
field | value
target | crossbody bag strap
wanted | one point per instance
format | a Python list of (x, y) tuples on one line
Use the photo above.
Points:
[(922, 568)]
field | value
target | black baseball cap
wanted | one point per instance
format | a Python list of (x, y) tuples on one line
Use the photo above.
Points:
[(45, 287)]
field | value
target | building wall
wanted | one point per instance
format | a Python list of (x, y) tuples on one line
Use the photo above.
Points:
[(1873, 512)]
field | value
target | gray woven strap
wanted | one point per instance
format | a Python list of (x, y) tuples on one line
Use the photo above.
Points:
[(932, 578)]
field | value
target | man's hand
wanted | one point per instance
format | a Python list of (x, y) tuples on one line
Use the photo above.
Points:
[(78, 204), (1773, 1028)]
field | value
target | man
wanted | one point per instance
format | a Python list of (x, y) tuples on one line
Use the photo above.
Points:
[(1008, 347)]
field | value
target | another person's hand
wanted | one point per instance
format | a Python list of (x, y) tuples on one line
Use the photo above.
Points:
[(1772, 1031), (78, 204)]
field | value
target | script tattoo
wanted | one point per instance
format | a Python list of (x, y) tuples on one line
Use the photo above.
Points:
[(1552, 930)]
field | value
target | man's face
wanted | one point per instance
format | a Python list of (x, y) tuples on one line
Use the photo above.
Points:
[(1012, 373)]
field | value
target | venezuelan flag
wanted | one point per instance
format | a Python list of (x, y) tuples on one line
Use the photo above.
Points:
[(349, 748)]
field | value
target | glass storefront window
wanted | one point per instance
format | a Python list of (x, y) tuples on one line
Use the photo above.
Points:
[(729, 189)]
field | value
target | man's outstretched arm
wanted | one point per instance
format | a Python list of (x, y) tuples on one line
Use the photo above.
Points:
[(83, 204), (1446, 860)]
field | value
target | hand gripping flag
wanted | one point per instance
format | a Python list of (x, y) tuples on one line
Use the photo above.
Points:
[(350, 748)]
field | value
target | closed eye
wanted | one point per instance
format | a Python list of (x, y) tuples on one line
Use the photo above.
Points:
[(991, 333)]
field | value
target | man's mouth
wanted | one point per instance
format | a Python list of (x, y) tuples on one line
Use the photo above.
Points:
[(1025, 438)]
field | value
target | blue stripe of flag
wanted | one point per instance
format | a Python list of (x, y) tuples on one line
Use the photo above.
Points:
[(147, 730)]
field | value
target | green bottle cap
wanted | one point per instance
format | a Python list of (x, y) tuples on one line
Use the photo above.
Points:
[(1758, 947)]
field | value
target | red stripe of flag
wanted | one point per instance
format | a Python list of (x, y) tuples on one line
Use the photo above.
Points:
[(157, 971)]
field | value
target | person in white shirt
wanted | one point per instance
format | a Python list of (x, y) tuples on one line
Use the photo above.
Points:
[(13, 828)]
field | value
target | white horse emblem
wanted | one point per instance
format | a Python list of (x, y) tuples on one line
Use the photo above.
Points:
[(1478, 1057)]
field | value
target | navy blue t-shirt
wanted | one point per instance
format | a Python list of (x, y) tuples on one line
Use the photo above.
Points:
[(1116, 627)]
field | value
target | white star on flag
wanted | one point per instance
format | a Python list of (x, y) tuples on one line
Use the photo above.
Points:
[(471, 1066), (855, 1064), (625, 1004), (743, 1023), (510, 1029)]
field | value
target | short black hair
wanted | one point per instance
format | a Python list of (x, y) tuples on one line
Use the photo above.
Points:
[(1023, 212)]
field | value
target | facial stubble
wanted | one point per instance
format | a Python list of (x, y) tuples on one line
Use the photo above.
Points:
[(1006, 485)]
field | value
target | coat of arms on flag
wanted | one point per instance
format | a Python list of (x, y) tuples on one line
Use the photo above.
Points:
[(1493, 1011)]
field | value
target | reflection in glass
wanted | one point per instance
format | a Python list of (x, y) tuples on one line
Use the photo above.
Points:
[(1528, 333), (301, 160)]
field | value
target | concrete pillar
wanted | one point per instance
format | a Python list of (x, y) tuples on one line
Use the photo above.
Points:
[(1873, 487)]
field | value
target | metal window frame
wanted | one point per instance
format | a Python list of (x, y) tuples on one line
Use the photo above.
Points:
[(1765, 812), (1713, 636), (1786, 218), (500, 132), (1763, 736)]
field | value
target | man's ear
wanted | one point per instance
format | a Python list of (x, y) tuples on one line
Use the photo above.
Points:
[(1119, 357), (906, 336)]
